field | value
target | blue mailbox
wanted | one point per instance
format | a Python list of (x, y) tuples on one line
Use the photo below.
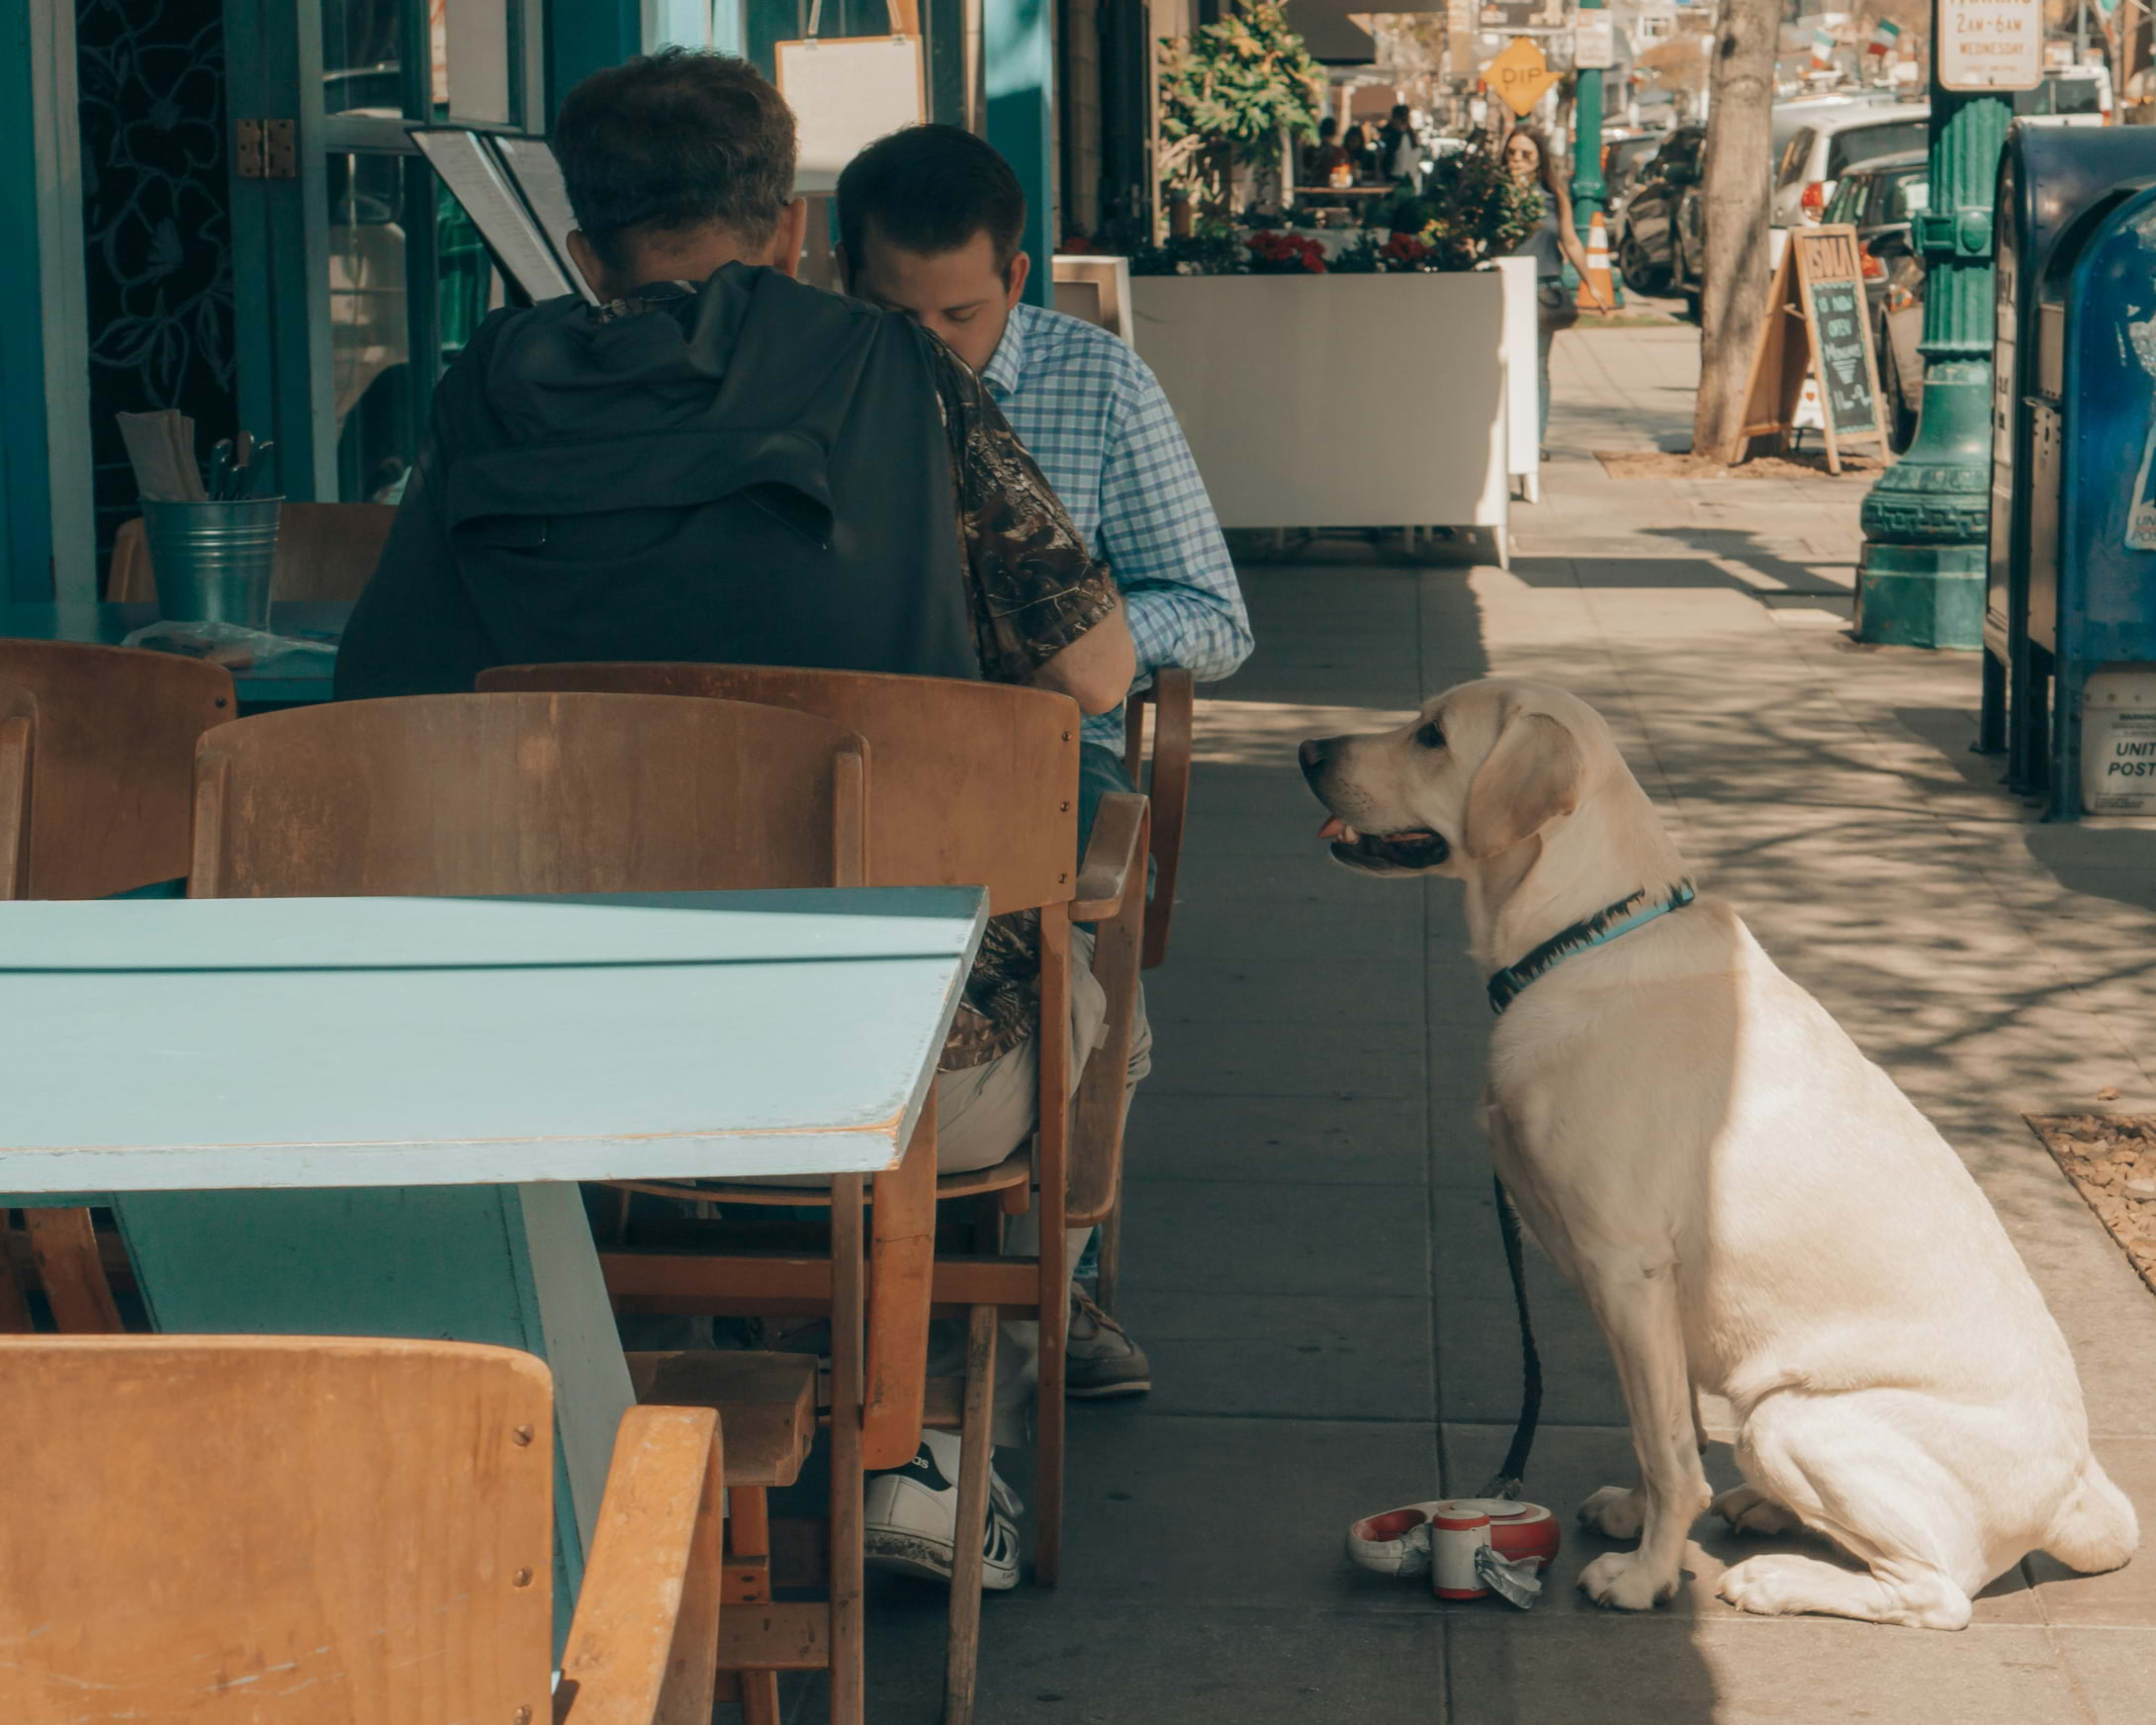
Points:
[(2048, 175), (2090, 700)]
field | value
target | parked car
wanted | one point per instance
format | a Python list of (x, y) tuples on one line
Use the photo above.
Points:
[(2068, 96), (1820, 149), (1624, 156), (1661, 246), (1880, 199)]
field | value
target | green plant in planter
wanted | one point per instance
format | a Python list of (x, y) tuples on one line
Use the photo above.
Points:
[(1473, 210), (1230, 94), (1214, 252), (1363, 255)]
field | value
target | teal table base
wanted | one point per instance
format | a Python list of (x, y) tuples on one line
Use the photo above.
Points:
[(511, 1265)]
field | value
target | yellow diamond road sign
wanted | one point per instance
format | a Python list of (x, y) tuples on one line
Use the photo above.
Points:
[(1519, 75)]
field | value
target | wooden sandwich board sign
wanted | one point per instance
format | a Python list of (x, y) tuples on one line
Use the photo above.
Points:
[(1819, 326)]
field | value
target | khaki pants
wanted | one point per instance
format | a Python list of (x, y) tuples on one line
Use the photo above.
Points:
[(985, 1113)]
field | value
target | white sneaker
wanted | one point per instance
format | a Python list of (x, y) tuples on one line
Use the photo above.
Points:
[(911, 1521)]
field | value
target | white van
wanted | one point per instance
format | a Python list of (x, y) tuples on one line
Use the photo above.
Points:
[(1838, 137), (2068, 96)]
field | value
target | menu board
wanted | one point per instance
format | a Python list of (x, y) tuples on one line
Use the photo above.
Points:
[(1843, 360), (1818, 331)]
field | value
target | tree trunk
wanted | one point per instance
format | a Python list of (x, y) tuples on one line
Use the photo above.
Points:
[(1734, 196)]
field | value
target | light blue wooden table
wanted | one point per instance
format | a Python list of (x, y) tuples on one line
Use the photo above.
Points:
[(364, 1116)]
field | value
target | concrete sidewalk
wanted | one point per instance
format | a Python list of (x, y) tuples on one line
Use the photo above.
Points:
[(1311, 1256)]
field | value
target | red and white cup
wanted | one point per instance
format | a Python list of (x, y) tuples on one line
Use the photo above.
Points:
[(1461, 1526)]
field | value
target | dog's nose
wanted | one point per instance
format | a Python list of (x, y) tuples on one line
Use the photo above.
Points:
[(1312, 752)]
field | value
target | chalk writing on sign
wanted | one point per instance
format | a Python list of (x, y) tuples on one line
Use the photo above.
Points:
[(1838, 311), (1990, 44)]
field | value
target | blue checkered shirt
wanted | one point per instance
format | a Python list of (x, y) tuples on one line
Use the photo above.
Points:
[(1094, 417)]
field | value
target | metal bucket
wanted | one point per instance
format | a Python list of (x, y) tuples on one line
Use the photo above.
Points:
[(213, 562)]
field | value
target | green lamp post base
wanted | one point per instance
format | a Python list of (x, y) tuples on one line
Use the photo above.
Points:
[(1921, 580), (1921, 596)]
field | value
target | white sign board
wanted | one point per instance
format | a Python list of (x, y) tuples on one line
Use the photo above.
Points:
[(1594, 41), (845, 92), (1990, 44)]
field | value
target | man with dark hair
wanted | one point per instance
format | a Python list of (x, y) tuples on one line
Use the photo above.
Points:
[(720, 463), (928, 224), (930, 221)]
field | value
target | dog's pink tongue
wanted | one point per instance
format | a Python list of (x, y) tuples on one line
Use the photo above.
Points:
[(1332, 829)]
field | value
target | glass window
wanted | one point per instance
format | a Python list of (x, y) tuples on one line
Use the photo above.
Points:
[(471, 41), (1863, 143), (2074, 96), (369, 343), (1846, 205), (362, 55), (1794, 158), (1910, 196)]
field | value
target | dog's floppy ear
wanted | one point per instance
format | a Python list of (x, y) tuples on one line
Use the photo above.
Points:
[(1529, 779)]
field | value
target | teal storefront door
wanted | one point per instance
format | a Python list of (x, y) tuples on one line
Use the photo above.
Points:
[(358, 278)]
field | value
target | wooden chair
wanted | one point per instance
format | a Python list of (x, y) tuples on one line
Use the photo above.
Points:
[(1165, 778), (281, 1530), (572, 792), (972, 782), (324, 551), (57, 1251), (97, 751)]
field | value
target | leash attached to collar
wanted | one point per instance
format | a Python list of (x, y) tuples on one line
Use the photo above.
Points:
[(1507, 985), (1505, 988)]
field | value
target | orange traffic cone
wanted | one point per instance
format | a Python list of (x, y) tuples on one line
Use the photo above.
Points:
[(1597, 288)]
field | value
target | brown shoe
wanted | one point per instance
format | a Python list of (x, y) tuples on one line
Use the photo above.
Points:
[(1099, 1359)]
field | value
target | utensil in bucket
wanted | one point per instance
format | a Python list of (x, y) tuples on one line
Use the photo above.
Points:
[(214, 561)]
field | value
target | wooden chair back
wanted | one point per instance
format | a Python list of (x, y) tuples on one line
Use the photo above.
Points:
[(975, 783), (526, 793), (97, 749), (324, 551), (275, 1530)]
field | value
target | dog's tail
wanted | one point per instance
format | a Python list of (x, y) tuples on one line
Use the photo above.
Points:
[(2098, 1529)]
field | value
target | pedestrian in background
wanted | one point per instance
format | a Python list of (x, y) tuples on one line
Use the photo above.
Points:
[(1531, 162)]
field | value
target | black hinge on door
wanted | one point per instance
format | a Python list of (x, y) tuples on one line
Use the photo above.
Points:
[(265, 149)]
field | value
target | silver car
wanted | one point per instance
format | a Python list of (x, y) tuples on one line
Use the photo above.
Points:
[(1824, 144)]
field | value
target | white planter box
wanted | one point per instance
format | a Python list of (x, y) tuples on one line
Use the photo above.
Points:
[(1337, 401)]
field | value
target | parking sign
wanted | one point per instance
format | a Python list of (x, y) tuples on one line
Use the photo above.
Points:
[(1990, 44)]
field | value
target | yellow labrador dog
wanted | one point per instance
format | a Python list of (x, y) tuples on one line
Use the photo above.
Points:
[(1749, 1205)]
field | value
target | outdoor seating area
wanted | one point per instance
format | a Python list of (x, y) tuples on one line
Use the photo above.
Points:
[(971, 863), (801, 824)]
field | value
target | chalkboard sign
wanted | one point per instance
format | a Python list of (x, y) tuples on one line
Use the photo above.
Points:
[(1817, 326), (1838, 314)]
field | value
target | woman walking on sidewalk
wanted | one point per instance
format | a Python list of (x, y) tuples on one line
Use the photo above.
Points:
[(1528, 159)]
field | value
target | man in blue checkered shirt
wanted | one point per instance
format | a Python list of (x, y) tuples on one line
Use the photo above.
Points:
[(931, 218)]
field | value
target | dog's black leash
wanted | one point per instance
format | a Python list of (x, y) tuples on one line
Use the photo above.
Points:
[(1605, 925), (1513, 1477)]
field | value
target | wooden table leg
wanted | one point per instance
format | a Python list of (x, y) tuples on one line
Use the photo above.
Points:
[(846, 1485)]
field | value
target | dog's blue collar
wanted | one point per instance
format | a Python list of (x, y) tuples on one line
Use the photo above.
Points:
[(1604, 926)]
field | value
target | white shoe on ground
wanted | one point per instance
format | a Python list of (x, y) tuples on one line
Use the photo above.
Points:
[(911, 1517)]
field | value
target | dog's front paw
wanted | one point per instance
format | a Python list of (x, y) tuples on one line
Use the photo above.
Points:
[(1620, 1581), (1748, 1510), (1615, 1513)]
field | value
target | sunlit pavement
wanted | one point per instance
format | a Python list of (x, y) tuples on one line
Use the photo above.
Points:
[(1311, 1255)]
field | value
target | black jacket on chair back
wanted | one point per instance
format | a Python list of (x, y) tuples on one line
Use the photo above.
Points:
[(750, 472)]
